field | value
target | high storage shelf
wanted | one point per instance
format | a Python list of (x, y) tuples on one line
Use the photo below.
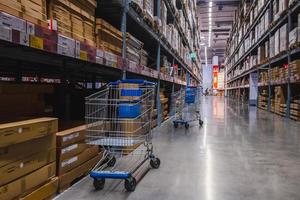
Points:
[(33, 56), (245, 56)]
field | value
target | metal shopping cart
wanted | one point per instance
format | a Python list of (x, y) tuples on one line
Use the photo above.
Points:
[(186, 105), (119, 118)]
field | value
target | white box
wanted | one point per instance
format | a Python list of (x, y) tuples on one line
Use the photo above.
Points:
[(66, 46), (294, 36), (283, 38), (5, 33), (272, 46), (12, 22), (283, 4), (277, 43)]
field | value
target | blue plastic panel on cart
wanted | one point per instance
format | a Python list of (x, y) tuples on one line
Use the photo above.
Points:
[(127, 110), (110, 175), (131, 92)]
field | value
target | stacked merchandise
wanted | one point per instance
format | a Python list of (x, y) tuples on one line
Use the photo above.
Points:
[(263, 77), (295, 108), (278, 104), (108, 37), (164, 105), (149, 9), (144, 58), (263, 100), (279, 74), (33, 11), (74, 157), (164, 18), (139, 3), (74, 19), (166, 67), (134, 49), (295, 69), (28, 158)]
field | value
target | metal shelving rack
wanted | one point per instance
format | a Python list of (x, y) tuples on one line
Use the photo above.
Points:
[(24, 59), (287, 56)]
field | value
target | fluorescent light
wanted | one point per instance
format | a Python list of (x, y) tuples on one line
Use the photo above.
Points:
[(202, 37), (209, 15), (210, 4), (209, 19), (202, 44), (209, 9), (209, 23)]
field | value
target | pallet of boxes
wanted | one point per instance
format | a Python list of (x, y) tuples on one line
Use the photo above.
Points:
[(28, 159), (164, 101), (263, 100), (279, 102), (295, 70), (295, 108), (75, 158), (74, 19)]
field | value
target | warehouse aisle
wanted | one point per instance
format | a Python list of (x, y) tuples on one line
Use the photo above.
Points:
[(240, 153)]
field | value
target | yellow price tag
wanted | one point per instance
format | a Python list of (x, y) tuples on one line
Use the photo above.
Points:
[(36, 42), (83, 55)]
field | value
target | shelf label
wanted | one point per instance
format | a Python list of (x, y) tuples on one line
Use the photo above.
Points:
[(36, 42), (83, 55)]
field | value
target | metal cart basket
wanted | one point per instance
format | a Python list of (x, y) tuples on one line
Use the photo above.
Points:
[(119, 118), (186, 106)]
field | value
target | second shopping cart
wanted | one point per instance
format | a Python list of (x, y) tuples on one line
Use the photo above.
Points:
[(186, 107)]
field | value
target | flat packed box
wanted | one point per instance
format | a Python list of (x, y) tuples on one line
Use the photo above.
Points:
[(13, 153), (277, 43), (44, 192), (283, 38), (26, 165), (70, 136), (28, 182), (69, 164), (71, 150), (294, 36), (17, 132), (68, 177)]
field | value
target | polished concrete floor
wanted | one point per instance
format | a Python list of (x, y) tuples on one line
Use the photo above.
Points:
[(240, 153)]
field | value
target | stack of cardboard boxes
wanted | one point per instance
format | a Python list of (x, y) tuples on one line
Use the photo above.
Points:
[(75, 158), (33, 11), (108, 37), (28, 159), (295, 108), (164, 101), (263, 100), (73, 19), (295, 70), (264, 77), (278, 103), (133, 48)]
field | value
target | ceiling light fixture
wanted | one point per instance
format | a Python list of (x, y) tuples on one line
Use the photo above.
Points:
[(210, 4)]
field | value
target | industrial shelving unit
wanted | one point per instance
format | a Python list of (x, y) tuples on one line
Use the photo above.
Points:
[(241, 55), (25, 61)]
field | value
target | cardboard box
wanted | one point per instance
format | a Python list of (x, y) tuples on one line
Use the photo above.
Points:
[(71, 150), (70, 136), (71, 163), (17, 132), (26, 165), (294, 36), (277, 43), (44, 192), (66, 179), (28, 182), (283, 38), (13, 153)]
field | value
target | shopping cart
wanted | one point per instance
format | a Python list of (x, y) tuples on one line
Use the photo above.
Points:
[(186, 107), (119, 118)]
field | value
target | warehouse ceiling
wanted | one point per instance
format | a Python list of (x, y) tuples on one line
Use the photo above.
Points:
[(222, 17)]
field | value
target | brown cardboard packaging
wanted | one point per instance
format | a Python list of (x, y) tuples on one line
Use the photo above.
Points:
[(71, 150), (131, 127), (129, 86), (70, 136), (26, 165), (16, 152), (66, 178), (71, 163), (28, 182), (17, 132), (44, 192)]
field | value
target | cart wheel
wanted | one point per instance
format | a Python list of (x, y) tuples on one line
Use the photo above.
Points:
[(99, 183), (155, 163), (187, 126), (175, 125), (111, 162), (200, 122), (130, 184)]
